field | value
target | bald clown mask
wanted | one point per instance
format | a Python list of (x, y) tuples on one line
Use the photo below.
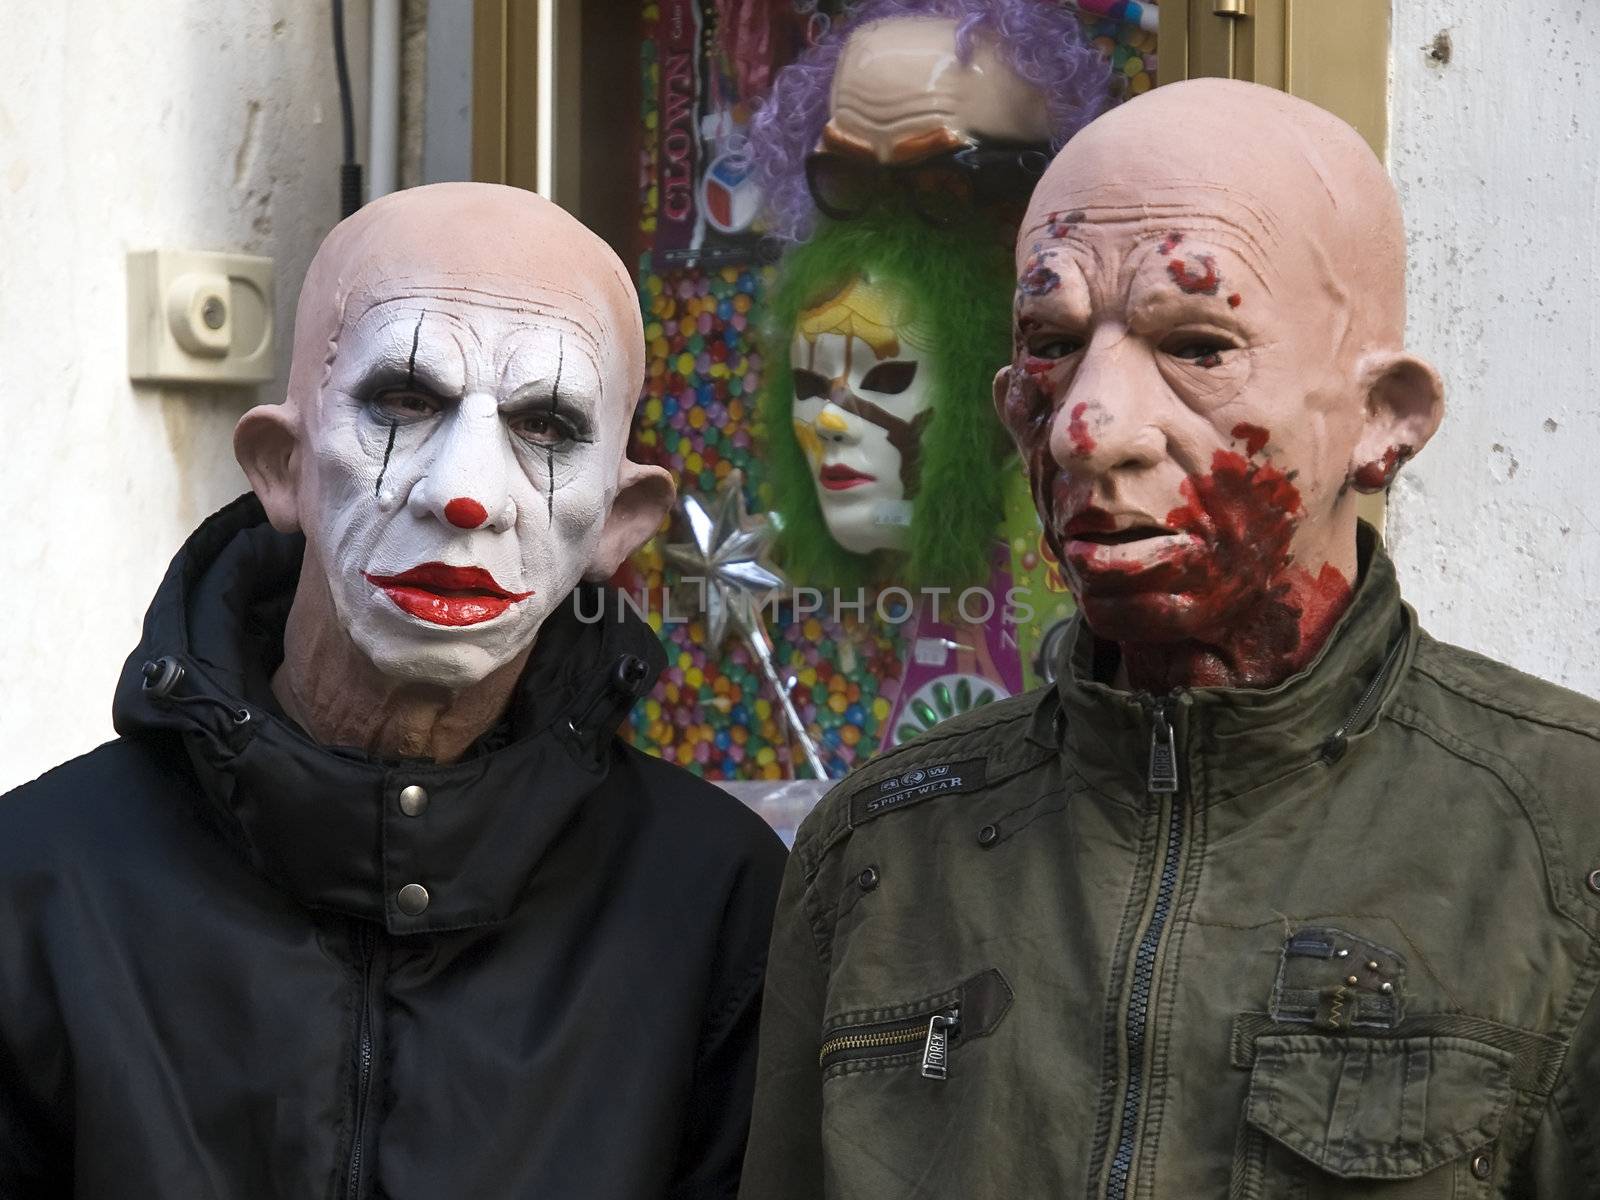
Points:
[(466, 362), (1208, 368)]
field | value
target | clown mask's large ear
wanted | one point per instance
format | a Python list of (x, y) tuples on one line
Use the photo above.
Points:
[(266, 441), (644, 496)]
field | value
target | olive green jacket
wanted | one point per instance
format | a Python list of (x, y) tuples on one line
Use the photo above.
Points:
[(1335, 938)]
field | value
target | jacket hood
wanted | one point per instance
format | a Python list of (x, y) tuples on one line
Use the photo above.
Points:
[(325, 823), (1241, 737)]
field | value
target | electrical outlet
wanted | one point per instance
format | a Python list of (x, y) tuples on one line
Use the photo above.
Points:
[(199, 317)]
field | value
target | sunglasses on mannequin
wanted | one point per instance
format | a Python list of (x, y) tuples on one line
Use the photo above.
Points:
[(940, 190)]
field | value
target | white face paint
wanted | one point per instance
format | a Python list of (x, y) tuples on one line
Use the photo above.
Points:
[(462, 463), (847, 400)]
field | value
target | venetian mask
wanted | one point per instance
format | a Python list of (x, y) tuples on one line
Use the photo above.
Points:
[(862, 395)]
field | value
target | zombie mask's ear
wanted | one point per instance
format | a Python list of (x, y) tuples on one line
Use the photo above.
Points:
[(1405, 403), (644, 496), (1002, 386), (266, 442)]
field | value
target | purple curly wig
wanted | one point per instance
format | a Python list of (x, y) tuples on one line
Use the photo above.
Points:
[(1038, 39)]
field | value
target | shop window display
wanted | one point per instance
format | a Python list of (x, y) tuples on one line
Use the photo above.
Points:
[(809, 330)]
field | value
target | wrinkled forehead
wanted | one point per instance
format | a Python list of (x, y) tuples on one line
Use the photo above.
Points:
[(501, 298), (481, 330), (484, 334), (1107, 220), (489, 263)]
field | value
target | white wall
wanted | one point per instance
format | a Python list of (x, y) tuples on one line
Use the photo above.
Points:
[(130, 124), (1496, 527)]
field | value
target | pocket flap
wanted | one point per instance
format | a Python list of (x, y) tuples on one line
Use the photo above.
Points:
[(1378, 1108)]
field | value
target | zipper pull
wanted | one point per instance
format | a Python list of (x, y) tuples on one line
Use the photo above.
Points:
[(936, 1050), (1163, 778)]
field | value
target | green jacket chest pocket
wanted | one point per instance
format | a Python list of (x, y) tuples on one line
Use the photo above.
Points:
[(1412, 1118)]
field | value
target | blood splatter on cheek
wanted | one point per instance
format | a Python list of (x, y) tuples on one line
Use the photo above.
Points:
[(1226, 605), (1028, 412), (1026, 404), (1248, 511), (1253, 436), (1376, 476)]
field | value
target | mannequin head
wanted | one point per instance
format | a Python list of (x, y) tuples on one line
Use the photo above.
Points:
[(902, 93), (1208, 367), (908, 81), (466, 362)]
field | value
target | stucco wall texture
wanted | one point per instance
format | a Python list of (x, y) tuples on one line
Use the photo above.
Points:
[(133, 124), (130, 125), (1496, 151)]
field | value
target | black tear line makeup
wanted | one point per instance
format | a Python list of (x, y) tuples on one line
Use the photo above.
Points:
[(550, 450), (411, 382)]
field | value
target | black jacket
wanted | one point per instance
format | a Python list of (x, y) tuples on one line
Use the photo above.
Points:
[(209, 990)]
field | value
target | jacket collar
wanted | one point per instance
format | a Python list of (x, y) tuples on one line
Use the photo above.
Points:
[(1232, 739), (326, 823)]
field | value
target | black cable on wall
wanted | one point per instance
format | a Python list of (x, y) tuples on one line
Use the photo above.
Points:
[(349, 169)]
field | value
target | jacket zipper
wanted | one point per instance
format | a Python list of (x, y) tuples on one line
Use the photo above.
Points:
[(933, 1030), (363, 1063), (1337, 742), (1162, 780)]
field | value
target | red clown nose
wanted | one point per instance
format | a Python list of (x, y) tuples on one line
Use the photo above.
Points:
[(464, 513)]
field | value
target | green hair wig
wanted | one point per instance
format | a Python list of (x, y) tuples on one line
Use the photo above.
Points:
[(957, 286)]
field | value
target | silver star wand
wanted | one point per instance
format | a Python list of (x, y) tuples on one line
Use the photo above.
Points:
[(726, 556)]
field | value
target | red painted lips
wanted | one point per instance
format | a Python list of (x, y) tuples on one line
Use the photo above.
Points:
[(836, 478), (445, 595)]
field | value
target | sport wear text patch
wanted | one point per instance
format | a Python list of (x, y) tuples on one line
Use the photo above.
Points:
[(918, 783)]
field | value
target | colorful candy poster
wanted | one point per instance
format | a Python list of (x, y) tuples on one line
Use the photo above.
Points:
[(706, 205)]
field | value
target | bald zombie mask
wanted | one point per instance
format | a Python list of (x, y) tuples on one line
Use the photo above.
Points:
[(1208, 367), (467, 357)]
